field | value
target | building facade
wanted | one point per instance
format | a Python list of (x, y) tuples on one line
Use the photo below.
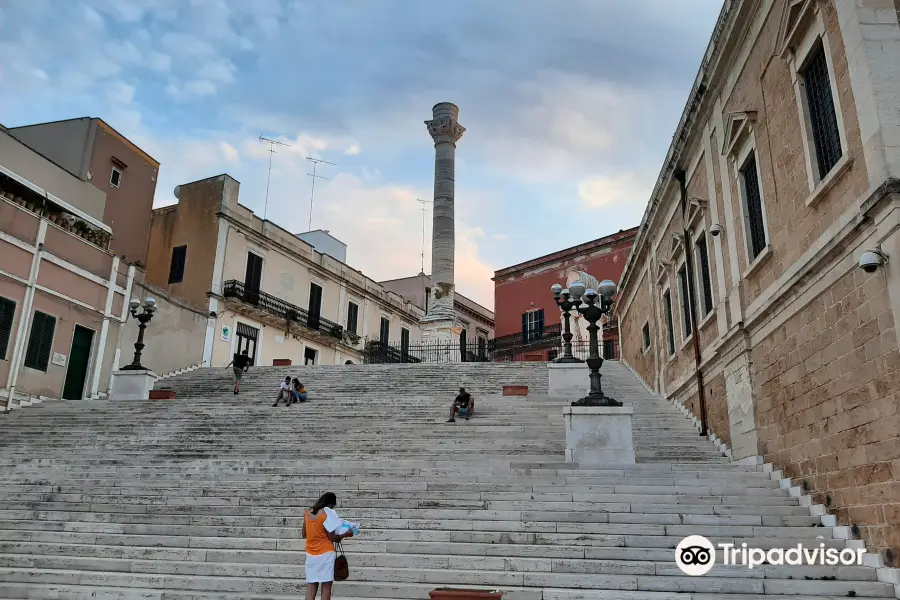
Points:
[(90, 149), (266, 290), (476, 321), (63, 293), (527, 318), (743, 297)]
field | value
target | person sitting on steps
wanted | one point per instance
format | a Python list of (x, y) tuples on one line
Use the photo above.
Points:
[(463, 405), (285, 391), (299, 392), (241, 362)]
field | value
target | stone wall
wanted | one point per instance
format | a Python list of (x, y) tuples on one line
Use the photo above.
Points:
[(829, 411), (631, 334)]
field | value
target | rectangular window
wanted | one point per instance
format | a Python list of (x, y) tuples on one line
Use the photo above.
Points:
[(253, 274), (352, 317), (115, 178), (822, 116), (670, 325), (176, 267), (756, 228), (7, 312), (533, 325), (646, 335), (40, 342), (404, 340), (705, 276), (315, 299), (385, 333), (686, 324)]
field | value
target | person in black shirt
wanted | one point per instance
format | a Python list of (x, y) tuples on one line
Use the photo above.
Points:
[(464, 405), (240, 363)]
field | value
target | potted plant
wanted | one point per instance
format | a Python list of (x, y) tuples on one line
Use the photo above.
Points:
[(465, 594)]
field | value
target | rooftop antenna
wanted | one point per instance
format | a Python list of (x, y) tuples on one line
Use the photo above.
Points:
[(315, 162), (272, 144), (424, 207)]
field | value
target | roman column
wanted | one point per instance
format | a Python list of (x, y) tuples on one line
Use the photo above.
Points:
[(445, 130)]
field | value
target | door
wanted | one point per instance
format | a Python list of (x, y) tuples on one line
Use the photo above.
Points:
[(246, 340), (315, 305), (253, 278), (79, 360), (462, 346)]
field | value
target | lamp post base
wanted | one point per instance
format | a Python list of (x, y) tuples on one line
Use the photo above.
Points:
[(132, 384), (599, 436), (596, 400), (562, 360)]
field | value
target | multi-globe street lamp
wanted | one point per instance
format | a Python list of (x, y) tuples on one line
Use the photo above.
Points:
[(592, 305), (143, 318), (563, 298)]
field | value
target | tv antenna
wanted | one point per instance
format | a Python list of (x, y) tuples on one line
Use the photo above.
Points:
[(272, 144), (315, 162), (424, 208)]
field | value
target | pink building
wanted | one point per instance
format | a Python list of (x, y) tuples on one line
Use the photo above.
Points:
[(63, 294)]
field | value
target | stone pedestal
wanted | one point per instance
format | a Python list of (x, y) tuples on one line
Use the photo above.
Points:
[(599, 435), (569, 380), (440, 340), (132, 385)]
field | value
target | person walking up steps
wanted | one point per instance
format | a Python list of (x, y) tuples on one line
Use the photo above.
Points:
[(320, 527), (240, 363)]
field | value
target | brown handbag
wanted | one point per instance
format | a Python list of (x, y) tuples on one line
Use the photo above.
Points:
[(341, 566)]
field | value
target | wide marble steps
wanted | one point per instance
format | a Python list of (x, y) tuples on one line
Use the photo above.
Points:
[(202, 498)]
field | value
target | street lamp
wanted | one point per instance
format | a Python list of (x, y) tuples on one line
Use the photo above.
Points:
[(143, 318), (595, 306), (562, 296)]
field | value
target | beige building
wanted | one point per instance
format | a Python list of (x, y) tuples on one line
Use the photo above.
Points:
[(788, 152), (476, 321), (62, 291), (266, 290)]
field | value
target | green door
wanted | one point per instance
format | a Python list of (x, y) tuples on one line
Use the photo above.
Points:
[(79, 358)]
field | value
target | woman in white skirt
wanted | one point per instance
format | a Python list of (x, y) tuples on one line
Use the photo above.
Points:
[(318, 529)]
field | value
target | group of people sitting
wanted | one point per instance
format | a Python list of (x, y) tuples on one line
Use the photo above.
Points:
[(292, 390)]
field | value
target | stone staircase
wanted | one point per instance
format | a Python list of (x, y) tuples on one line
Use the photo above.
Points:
[(202, 498)]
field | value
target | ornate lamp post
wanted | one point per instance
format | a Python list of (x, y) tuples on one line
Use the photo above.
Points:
[(562, 297), (143, 318), (594, 307)]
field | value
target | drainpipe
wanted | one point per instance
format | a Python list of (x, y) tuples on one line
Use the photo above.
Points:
[(681, 178)]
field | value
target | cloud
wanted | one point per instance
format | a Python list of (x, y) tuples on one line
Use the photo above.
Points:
[(569, 108), (230, 152), (607, 191)]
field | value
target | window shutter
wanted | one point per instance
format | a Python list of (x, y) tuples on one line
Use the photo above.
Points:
[(40, 342), (540, 323), (7, 311), (524, 327)]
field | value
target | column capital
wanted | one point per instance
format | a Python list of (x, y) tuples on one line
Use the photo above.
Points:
[(445, 129)]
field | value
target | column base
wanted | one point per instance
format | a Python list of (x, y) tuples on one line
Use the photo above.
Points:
[(132, 385), (599, 435), (569, 379)]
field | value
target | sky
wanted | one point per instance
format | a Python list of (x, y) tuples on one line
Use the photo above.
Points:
[(569, 108)]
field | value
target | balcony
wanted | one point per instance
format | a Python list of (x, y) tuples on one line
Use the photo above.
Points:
[(547, 337), (285, 312)]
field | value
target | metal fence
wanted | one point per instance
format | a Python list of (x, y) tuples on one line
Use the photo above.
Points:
[(425, 352)]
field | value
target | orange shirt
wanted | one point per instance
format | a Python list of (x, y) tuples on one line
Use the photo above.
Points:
[(317, 541)]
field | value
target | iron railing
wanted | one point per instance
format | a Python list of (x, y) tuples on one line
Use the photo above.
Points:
[(548, 336), (279, 308), (377, 352)]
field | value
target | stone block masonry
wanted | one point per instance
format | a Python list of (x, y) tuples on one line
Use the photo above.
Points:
[(829, 411)]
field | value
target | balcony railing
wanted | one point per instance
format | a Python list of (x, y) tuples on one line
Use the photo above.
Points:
[(543, 338), (279, 308)]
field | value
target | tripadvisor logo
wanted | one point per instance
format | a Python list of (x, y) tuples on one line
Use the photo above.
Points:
[(695, 555)]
